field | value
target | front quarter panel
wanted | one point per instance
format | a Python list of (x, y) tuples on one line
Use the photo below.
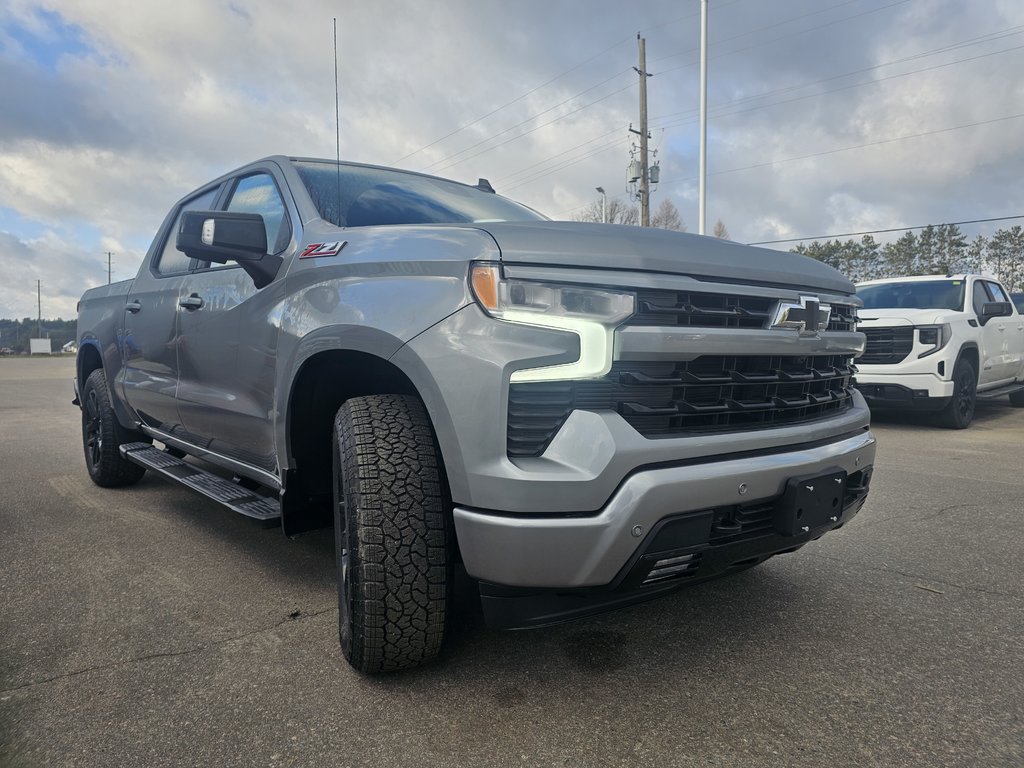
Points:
[(386, 286)]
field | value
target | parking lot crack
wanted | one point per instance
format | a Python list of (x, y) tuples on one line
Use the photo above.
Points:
[(292, 617), (918, 577)]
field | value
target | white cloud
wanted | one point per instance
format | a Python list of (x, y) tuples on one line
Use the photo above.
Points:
[(157, 98)]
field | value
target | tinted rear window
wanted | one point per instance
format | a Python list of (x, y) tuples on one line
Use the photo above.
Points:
[(927, 294), (366, 197)]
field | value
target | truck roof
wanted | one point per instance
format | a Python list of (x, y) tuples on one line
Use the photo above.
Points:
[(921, 278)]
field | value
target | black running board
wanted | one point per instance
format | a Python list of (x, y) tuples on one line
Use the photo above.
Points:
[(231, 495), (992, 394)]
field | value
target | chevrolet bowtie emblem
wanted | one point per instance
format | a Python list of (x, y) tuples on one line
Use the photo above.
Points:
[(808, 316)]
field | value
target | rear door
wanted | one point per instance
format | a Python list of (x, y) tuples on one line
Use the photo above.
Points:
[(228, 347), (1011, 334), (149, 340)]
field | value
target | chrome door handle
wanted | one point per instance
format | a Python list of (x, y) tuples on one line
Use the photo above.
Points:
[(194, 301), (133, 306)]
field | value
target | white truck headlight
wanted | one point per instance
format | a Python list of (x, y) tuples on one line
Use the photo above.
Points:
[(934, 336), (590, 313)]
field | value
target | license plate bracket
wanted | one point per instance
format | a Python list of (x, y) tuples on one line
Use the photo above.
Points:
[(810, 502)]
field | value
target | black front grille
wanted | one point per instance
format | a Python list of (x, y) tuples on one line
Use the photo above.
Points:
[(719, 310), (713, 393), (843, 318), (742, 521), (887, 346)]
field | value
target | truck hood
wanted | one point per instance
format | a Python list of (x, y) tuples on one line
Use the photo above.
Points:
[(891, 316), (646, 249)]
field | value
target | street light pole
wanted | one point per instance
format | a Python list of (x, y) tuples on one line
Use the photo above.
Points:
[(702, 194), (604, 205)]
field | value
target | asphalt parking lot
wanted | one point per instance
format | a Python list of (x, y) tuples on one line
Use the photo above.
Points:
[(148, 627)]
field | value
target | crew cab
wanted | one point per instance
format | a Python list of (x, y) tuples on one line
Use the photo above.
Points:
[(580, 416), (938, 343)]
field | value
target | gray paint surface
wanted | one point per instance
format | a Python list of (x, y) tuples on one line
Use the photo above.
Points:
[(221, 376), (616, 246)]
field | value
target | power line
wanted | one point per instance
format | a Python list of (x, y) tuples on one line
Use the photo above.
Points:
[(867, 144), (552, 80), (683, 122), (514, 101), (524, 133), (439, 165), (762, 29), (851, 86), (885, 231), (989, 37), (599, 150), (783, 37), (722, 109)]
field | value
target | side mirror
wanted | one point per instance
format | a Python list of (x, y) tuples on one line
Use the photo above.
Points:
[(220, 237), (992, 309)]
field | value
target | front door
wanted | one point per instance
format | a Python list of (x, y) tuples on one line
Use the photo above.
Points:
[(149, 339), (228, 350)]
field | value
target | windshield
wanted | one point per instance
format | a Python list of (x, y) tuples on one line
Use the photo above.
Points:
[(925, 294), (359, 196)]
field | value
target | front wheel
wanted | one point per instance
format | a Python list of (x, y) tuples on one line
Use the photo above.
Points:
[(391, 533), (959, 413), (1017, 398), (103, 436)]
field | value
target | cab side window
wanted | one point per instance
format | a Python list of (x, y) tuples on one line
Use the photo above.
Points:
[(997, 292), (980, 296), (258, 194), (172, 261)]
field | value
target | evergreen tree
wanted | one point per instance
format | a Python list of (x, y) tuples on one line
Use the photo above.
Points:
[(1005, 257)]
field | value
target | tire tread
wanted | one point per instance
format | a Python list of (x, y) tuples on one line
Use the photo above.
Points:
[(398, 554)]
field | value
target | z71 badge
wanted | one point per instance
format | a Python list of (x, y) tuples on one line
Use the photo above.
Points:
[(313, 250)]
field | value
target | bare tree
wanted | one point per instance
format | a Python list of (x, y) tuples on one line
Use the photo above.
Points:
[(618, 213), (667, 217), (720, 231)]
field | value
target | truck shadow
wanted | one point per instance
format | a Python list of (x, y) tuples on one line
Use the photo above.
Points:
[(693, 632), (986, 412)]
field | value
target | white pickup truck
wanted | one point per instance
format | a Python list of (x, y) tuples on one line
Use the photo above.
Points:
[(938, 343)]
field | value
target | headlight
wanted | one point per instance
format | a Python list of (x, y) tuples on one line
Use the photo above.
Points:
[(934, 336), (590, 313)]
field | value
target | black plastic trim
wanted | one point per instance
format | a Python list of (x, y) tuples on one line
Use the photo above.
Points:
[(506, 607)]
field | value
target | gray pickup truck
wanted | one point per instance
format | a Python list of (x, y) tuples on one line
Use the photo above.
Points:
[(582, 416)]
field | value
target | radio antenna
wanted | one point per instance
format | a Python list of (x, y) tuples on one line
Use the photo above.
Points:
[(337, 122)]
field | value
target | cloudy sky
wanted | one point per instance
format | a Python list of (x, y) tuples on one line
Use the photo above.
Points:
[(826, 116)]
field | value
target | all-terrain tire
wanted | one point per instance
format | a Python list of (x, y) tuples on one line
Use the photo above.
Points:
[(391, 533), (103, 436), (959, 412)]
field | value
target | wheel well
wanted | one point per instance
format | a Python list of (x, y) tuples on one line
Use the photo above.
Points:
[(325, 381), (970, 354), (88, 361)]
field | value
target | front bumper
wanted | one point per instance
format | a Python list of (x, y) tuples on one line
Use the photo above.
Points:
[(919, 391), (595, 550)]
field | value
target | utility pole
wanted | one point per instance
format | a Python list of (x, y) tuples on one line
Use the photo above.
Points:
[(702, 193), (109, 255), (39, 317), (604, 204), (644, 192)]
